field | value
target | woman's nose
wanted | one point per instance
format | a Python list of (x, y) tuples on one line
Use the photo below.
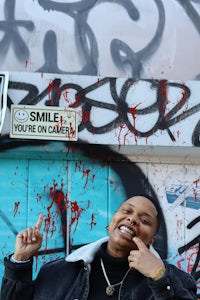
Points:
[(133, 220)]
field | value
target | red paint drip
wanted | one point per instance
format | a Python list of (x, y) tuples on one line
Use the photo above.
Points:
[(78, 166), (65, 95), (50, 88), (125, 136), (132, 111), (57, 198), (164, 89), (121, 127), (92, 223), (196, 182), (179, 223), (178, 133), (88, 204), (86, 116), (71, 132), (76, 213), (16, 208), (77, 99), (195, 196), (86, 174)]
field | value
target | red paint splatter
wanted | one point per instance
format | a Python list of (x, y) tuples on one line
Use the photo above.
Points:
[(191, 257), (57, 197), (86, 116), (50, 88), (72, 131), (132, 111), (92, 223), (77, 99), (179, 224), (125, 136), (179, 263), (195, 196), (16, 208), (121, 127), (61, 120), (163, 91), (196, 182), (76, 213), (88, 204), (78, 166), (183, 98), (178, 133), (65, 95), (86, 174)]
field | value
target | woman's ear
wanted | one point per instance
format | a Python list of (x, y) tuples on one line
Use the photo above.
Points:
[(152, 241)]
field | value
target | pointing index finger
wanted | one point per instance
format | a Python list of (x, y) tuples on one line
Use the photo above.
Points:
[(139, 243), (39, 221)]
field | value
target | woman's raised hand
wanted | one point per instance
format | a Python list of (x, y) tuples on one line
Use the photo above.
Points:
[(28, 241)]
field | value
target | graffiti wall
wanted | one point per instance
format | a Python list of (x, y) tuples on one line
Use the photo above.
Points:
[(79, 185), (135, 112), (102, 38), (133, 80)]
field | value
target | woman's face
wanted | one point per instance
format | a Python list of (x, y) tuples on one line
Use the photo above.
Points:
[(137, 216)]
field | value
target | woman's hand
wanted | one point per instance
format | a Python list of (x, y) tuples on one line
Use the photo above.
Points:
[(144, 260), (28, 241)]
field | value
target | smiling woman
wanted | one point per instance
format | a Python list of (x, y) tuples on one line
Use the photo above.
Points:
[(127, 267), (137, 216)]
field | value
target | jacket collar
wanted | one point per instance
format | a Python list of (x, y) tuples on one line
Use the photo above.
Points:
[(87, 252)]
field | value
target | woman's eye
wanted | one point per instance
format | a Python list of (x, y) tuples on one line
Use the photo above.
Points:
[(145, 221), (126, 211)]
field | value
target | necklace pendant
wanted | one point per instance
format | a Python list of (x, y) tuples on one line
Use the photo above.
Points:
[(110, 290)]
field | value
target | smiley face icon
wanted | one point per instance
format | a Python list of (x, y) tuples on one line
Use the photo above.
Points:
[(21, 116)]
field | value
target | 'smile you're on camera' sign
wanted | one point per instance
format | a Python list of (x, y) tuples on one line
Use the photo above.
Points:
[(47, 122)]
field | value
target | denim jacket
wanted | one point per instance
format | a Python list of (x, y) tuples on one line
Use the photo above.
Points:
[(68, 279)]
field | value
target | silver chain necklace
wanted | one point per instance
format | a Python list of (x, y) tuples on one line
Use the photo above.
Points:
[(110, 290)]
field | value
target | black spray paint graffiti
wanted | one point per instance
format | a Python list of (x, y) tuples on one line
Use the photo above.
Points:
[(196, 240), (123, 56), (164, 121), (11, 33)]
